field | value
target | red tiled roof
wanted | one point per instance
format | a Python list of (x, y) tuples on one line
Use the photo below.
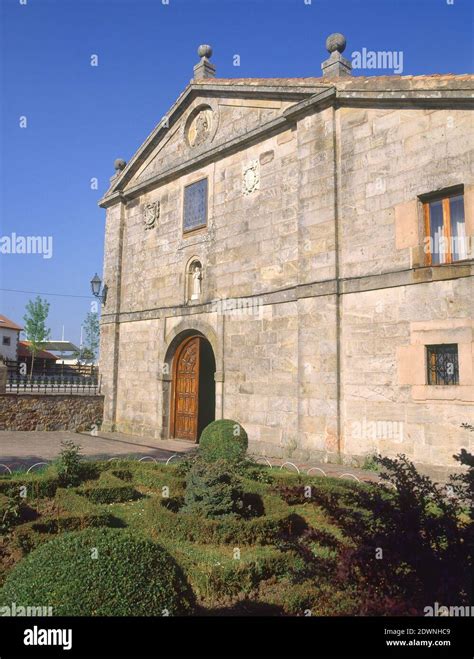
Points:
[(24, 352), (8, 324)]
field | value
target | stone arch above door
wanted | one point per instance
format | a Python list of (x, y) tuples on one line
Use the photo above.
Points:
[(171, 342), (186, 328)]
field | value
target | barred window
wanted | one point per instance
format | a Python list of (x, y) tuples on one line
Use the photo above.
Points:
[(442, 363)]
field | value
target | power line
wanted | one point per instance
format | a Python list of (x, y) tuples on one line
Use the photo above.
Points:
[(12, 290)]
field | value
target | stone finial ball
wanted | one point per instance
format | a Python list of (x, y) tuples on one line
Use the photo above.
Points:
[(336, 41), (119, 164), (205, 51)]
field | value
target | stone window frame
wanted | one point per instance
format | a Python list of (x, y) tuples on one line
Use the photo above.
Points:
[(412, 359), (424, 201), (202, 227), (431, 375)]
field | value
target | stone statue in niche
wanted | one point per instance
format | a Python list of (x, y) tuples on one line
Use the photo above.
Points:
[(196, 278)]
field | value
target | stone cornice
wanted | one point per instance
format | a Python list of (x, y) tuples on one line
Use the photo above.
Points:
[(399, 98), (320, 98), (343, 286), (278, 92)]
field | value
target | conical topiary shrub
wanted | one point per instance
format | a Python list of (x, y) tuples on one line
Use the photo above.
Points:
[(212, 490)]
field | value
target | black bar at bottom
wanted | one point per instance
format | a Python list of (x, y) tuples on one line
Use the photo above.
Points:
[(240, 637)]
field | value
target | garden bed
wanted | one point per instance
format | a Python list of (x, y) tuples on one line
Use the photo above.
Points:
[(298, 546)]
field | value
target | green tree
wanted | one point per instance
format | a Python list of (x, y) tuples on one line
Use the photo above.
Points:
[(91, 336), (35, 326)]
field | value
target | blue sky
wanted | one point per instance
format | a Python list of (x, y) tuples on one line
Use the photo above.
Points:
[(80, 118)]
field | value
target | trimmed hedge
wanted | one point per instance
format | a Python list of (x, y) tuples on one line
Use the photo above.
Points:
[(32, 534), (38, 485), (223, 440), (318, 598), (130, 576), (75, 513), (69, 501), (156, 478), (263, 530), (216, 575), (150, 475), (108, 489)]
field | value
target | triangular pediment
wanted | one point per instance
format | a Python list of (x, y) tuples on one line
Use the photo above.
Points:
[(208, 123), (207, 116)]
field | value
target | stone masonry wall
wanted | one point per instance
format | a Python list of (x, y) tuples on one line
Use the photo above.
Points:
[(330, 247), (55, 412), (387, 405), (387, 159)]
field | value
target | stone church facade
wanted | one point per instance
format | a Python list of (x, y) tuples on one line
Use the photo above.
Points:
[(296, 254)]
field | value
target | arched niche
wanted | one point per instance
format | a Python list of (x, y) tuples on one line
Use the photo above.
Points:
[(193, 281)]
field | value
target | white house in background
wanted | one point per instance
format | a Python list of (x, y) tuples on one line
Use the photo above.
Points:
[(9, 336)]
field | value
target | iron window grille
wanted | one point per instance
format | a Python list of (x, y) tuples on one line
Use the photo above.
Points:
[(442, 364)]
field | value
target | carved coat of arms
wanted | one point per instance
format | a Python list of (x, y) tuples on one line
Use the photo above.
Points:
[(151, 213), (251, 178)]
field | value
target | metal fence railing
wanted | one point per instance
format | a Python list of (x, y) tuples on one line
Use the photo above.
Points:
[(45, 384), (45, 367)]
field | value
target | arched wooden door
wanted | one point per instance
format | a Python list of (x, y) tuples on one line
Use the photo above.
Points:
[(193, 399), (184, 420)]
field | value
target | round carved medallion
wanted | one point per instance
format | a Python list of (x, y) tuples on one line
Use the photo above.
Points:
[(200, 127)]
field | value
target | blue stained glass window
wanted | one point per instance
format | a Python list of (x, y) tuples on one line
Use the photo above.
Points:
[(195, 205)]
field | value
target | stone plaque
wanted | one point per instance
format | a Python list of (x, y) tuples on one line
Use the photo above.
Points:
[(195, 205)]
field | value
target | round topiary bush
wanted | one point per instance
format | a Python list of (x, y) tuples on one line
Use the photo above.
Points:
[(223, 440), (99, 572)]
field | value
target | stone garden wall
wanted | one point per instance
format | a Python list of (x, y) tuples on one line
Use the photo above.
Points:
[(55, 412)]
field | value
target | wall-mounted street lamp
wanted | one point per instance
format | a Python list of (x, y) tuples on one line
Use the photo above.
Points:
[(96, 284)]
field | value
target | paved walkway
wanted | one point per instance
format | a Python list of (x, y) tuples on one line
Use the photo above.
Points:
[(20, 449), (23, 449)]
